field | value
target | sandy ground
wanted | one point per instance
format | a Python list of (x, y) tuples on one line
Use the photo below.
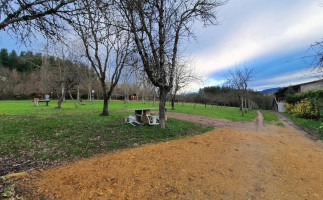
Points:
[(238, 160)]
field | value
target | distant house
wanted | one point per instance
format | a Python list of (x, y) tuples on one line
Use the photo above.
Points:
[(279, 103)]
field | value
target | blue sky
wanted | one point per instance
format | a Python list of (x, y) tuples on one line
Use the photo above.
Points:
[(272, 35)]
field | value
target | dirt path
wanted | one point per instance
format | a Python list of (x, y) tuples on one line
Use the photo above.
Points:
[(238, 160), (256, 125)]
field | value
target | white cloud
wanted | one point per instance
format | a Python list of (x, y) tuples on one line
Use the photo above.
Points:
[(285, 80), (265, 28), (194, 87)]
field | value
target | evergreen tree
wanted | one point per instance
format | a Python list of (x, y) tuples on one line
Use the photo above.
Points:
[(13, 60), (4, 58)]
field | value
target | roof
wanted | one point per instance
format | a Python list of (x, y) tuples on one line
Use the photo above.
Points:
[(284, 88)]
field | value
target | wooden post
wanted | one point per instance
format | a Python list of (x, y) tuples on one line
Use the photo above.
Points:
[(36, 101)]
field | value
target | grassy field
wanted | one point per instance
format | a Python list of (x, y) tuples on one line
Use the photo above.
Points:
[(231, 113), (310, 125), (271, 118), (31, 135)]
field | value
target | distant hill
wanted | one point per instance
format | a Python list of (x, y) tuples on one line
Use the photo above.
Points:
[(270, 90)]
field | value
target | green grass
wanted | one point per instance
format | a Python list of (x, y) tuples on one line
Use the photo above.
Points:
[(268, 116), (26, 108), (49, 134), (312, 126), (45, 133), (271, 118), (231, 113)]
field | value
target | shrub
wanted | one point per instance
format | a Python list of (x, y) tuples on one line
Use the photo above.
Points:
[(304, 109), (289, 107), (292, 99)]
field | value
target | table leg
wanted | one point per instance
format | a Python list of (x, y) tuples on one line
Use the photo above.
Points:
[(138, 114), (145, 118)]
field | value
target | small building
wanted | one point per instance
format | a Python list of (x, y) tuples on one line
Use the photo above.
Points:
[(279, 103)]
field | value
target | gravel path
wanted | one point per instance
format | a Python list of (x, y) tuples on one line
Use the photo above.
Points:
[(238, 160)]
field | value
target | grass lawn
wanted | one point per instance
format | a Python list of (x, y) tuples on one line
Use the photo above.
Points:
[(231, 113), (310, 125), (271, 118), (32, 136)]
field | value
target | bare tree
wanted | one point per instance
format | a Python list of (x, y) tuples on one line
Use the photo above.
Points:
[(184, 75), (317, 47), (157, 28), (137, 83), (60, 72), (106, 45), (125, 86), (239, 79), (24, 17)]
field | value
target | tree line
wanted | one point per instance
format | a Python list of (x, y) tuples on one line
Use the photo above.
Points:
[(227, 96), (29, 75), (116, 34), (24, 62)]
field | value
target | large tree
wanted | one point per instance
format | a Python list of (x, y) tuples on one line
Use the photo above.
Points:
[(157, 27), (184, 75), (24, 17), (106, 44), (60, 72), (239, 79)]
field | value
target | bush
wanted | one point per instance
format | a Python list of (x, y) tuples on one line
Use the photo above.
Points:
[(291, 99), (304, 109), (289, 107), (290, 96)]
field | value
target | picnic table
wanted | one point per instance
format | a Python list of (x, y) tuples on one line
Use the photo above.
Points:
[(144, 116)]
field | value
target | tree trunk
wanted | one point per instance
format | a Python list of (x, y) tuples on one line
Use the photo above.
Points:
[(105, 111), (125, 100), (78, 93), (63, 93), (89, 93), (162, 101), (61, 99), (173, 102), (72, 98), (154, 101), (242, 111), (194, 105)]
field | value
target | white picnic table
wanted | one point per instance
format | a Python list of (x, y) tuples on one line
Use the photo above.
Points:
[(143, 116)]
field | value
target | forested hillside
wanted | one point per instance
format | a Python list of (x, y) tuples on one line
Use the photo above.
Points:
[(27, 75)]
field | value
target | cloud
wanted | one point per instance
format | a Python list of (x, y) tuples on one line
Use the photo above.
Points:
[(287, 79), (263, 29), (194, 87)]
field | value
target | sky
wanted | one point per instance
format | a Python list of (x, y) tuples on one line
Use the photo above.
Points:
[(272, 36)]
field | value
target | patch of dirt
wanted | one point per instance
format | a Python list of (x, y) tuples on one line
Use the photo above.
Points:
[(288, 122), (256, 125), (249, 160)]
